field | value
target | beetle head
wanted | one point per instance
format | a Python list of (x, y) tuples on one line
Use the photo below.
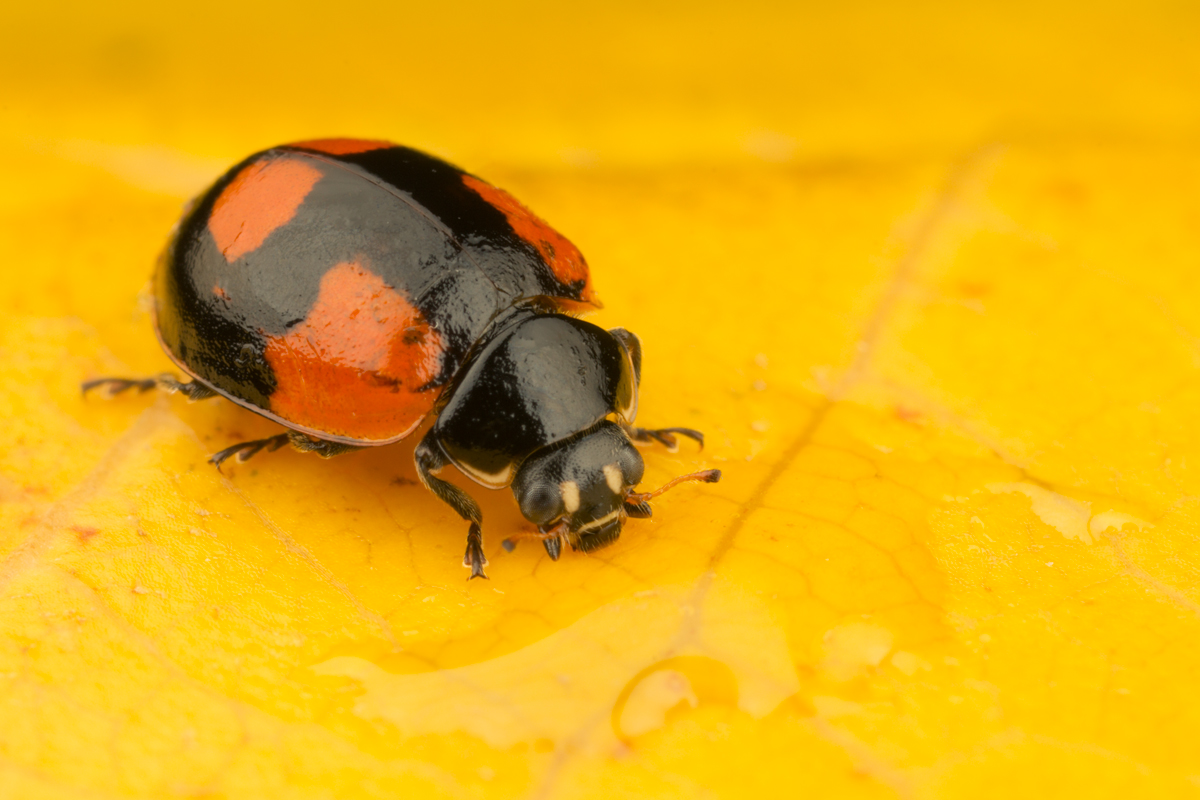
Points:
[(581, 490), (575, 490)]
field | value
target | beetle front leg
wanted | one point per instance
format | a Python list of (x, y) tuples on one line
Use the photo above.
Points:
[(430, 459)]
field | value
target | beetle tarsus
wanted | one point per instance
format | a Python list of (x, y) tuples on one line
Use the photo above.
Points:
[(299, 441), (664, 436), (115, 386), (474, 557), (193, 390), (246, 450)]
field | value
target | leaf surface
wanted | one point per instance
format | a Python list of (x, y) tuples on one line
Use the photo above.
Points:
[(925, 278)]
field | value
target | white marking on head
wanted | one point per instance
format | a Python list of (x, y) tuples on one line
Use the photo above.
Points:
[(570, 495), (614, 478), (596, 523)]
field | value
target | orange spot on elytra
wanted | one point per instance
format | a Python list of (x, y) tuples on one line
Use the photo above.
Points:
[(356, 364), (221, 293), (263, 197), (563, 258), (342, 147)]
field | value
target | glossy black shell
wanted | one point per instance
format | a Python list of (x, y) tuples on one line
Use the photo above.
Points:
[(448, 245)]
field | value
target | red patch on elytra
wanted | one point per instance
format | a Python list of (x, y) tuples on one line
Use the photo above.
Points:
[(356, 364), (264, 196), (342, 147), (562, 257)]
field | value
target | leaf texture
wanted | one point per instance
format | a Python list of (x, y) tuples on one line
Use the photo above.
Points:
[(925, 277)]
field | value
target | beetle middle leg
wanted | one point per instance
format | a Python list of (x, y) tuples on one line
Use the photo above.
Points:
[(303, 443), (430, 459), (193, 390), (664, 436)]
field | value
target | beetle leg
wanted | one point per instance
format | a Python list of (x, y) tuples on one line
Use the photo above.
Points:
[(664, 436), (430, 459), (245, 450), (322, 447), (193, 390), (303, 443)]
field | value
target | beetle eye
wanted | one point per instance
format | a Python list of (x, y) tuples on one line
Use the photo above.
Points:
[(541, 505), (632, 466)]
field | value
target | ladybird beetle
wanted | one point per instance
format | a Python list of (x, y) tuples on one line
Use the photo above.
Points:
[(347, 289)]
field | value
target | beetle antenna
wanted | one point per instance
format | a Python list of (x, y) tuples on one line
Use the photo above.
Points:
[(704, 475)]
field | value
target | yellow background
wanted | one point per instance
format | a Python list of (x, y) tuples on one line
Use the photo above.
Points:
[(927, 277)]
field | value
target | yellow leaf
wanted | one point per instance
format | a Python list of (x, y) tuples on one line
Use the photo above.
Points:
[(925, 276)]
